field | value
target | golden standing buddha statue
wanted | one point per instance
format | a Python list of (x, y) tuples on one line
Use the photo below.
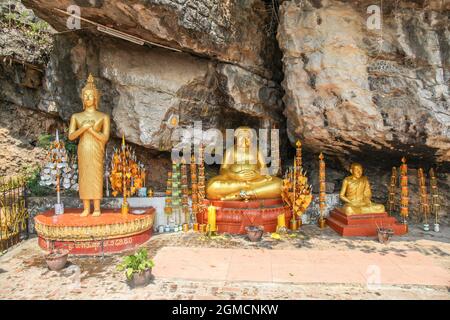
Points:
[(93, 128), (356, 193), (242, 173)]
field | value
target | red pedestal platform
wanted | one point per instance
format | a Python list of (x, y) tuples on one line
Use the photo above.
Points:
[(234, 216), (363, 224), (109, 233)]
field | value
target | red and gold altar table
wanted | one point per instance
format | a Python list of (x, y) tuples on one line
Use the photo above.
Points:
[(363, 224), (109, 233), (234, 216)]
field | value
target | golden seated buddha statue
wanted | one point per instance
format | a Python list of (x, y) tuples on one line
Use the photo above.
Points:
[(243, 173), (356, 194)]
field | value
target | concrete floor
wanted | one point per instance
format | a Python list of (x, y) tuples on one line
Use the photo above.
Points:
[(310, 264)]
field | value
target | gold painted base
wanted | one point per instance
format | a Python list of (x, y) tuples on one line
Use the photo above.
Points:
[(110, 225), (293, 225), (322, 223)]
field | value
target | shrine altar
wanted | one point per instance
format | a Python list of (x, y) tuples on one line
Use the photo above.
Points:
[(234, 216), (109, 233)]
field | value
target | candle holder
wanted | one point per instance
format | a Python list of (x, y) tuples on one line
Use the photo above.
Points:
[(293, 225), (201, 181), (194, 191), (322, 223), (435, 203), (404, 200)]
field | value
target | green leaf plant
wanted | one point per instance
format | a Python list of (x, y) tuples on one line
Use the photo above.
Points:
[(136, 263)]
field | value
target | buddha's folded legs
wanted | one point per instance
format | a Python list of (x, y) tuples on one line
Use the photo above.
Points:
[(222, 189), (350, 210), (268, 190), (371, 208), (218, 188)]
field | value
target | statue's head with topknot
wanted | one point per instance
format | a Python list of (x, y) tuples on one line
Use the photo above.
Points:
[(90, 94)]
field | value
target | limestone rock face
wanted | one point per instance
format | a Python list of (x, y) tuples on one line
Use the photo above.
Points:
[(231, 31), (375, 94), (144, 89), (249, 93), (19, 132), (147, 85), (222, 76)]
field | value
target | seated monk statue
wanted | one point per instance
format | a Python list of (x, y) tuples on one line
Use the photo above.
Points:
[(356, 194), (243, 173)]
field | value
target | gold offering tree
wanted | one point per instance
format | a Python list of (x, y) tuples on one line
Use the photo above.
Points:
[(296, 192), (127, 175)]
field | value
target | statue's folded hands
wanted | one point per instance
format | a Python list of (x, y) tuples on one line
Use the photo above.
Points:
[(93, 129), (356, 194)]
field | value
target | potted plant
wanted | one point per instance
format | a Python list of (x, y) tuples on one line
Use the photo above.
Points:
[(254, 233), (138, 268), (384, 235), (56, 259)]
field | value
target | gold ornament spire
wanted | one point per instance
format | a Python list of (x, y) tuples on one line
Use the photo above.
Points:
[(392, 191), (90, 84), (90, 78), (322, 191), (404, 199)]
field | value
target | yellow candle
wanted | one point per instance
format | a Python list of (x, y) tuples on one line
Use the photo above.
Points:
[(212, 218), (281, 221)]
